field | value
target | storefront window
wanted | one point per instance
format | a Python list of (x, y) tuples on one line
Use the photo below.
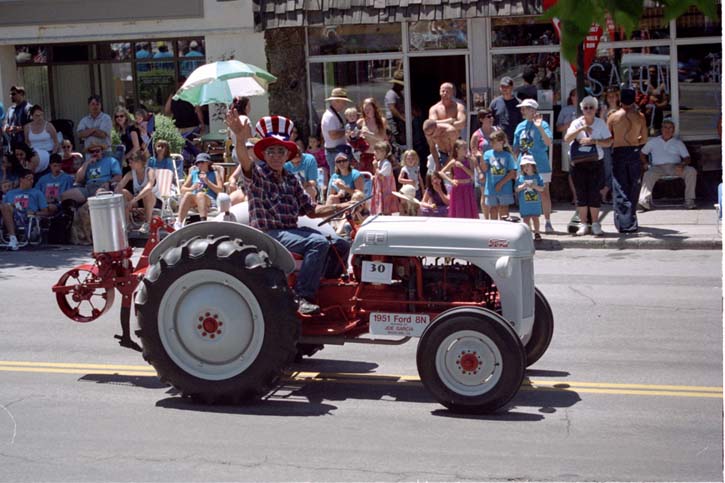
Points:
[(117, 85), (514, 31), (156, 81), (354, 39), (544, 67), (643, 68), (438, 34), (700, 80), (694, 24), (37, 89), (120, 51), (195, 51), (652, 26), (31, 54), (363, 79)]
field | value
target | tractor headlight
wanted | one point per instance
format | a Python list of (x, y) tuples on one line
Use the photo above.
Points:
[(504, 267)]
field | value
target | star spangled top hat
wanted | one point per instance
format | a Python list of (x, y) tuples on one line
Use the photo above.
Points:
[(274, 131)]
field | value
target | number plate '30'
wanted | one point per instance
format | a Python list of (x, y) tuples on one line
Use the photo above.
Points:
[(377, 272)]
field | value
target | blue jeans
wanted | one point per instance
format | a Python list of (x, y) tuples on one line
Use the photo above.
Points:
[(318, 260), (608, 167), (626, 171)]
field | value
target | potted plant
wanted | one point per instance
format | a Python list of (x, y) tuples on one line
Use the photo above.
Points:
[(165, 128)]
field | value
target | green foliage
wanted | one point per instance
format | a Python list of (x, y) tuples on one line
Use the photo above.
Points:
[(165, 128), (577, 16), (115, 138)]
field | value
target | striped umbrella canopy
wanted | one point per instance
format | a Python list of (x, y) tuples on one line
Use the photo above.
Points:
[(220, 82)]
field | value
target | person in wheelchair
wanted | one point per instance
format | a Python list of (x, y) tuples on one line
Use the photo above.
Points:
[(277, 199), (19, 204)]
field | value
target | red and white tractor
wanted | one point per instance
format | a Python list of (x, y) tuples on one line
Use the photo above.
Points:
[(218, 321)]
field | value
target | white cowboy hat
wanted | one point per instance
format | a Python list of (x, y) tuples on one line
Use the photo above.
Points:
[(407, 193)]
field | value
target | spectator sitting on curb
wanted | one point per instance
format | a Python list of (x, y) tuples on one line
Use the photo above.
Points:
[(19, 203), (54, 184), (669, 158), (99, 171)]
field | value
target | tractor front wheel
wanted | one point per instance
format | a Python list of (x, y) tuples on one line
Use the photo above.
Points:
[(217, 320), (471, 361), (543, 329)]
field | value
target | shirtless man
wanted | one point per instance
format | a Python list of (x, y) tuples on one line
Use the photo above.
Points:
[(629, 131), (447, 110), (440, 137)]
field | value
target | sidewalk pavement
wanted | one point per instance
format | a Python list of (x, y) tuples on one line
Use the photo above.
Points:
[(659, 229)]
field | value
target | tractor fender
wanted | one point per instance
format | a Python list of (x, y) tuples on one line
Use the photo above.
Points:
[(470, 310), (278, 254)]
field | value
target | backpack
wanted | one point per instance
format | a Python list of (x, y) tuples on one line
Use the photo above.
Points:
[(59, 228)]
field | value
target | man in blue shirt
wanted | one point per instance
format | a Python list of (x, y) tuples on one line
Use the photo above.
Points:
[(17, 204), (533, 136), (95, 173), (54, 184), (304, 167)]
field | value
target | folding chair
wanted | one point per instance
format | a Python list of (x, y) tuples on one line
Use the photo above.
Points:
[(164, 181)]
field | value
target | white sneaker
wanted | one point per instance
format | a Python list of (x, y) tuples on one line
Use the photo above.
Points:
[(144, 228), (548, 228), (583, 230), (597, 229), (13, 243), (178, 225)]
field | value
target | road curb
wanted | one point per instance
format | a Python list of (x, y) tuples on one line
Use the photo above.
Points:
[(629, 242)]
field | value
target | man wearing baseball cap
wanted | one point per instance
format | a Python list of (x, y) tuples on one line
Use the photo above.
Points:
[(505, 113), (629, 131), (533, 136), (277, 199)]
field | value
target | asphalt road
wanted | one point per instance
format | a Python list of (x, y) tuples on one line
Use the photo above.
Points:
[(630, 389)]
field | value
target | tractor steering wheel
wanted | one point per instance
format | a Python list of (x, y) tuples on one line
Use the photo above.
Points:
[(342, 211)]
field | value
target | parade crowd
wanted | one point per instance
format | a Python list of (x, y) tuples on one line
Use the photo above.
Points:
[(502, 169)]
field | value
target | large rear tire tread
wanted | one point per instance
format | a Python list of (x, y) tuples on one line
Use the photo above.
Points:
[(543, 329), (494, 329), (269, 286)]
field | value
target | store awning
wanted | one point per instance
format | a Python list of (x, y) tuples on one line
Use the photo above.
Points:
[(270, 14)]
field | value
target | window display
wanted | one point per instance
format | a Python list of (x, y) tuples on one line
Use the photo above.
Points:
[(354, 39), (438, 34)]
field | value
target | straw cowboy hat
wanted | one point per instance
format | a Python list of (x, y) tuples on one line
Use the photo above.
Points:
[(274, 131), (96, 144), (407, 193), (398, 78), (339, 94)]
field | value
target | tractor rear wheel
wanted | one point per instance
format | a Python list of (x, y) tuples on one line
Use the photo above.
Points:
[(217, 320), (471, 361), (543, 329)]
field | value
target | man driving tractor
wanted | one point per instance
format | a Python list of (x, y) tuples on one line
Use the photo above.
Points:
[(276, 199)]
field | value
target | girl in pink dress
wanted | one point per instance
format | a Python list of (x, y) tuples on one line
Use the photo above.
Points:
[(459, 173), (384, 202)]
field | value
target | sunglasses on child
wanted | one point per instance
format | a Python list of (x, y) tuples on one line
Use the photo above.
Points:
[(95, 151)]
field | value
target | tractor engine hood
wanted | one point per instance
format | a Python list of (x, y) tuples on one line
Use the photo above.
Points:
[(442, 237)]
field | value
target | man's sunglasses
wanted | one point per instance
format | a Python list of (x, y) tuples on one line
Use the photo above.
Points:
[(95, 151)]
